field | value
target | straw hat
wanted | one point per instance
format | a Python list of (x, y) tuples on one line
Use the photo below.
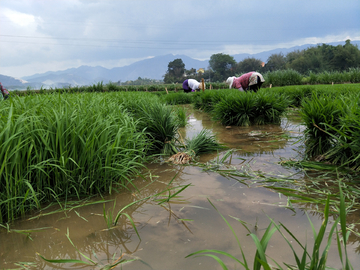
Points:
[(200, 86), (230, 81)]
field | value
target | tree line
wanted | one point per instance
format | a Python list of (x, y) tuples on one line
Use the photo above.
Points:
[(317, 59)]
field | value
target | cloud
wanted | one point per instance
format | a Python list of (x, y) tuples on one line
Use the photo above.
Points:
[(35, 35)]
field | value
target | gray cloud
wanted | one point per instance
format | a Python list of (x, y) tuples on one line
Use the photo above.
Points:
[(37, 36)]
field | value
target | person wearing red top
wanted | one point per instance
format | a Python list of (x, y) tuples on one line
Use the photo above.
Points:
[(4, 92), (249, 81)]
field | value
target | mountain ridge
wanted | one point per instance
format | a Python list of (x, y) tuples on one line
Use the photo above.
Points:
[(151, 68)]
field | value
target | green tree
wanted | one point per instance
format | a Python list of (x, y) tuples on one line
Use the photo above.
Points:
[(175, 72), (346, 57), (222, 65), (276, 61), (248, 64)]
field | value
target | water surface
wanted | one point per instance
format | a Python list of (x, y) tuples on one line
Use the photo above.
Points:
[(171, 231)]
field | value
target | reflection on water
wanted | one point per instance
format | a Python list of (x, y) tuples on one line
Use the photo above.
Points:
[(186, 224)]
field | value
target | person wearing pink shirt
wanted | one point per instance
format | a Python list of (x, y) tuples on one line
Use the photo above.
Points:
[(4, 92), (249, 81)]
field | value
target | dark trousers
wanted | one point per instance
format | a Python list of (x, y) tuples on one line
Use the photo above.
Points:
[(256, 87)]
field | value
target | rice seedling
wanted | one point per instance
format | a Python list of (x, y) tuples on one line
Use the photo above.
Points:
[(316, 112), (177, 98), (181, 115), (303, 261), (206, 100), (160, 123), (27, 233), (203, 142), (236, 109), (283, 77), (249, 108), (116, 260), (346, 151), (333, 129), (68, 145)]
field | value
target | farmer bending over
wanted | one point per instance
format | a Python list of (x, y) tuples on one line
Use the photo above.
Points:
[(4, 92), (192, 85), (249, 81)]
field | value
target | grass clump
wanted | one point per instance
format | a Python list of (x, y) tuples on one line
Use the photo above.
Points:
[(65, 145), (333, 129), (249, 108)]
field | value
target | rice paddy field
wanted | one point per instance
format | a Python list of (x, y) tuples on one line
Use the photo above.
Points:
[(218, 179)]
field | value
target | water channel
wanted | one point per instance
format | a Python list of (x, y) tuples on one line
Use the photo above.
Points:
[(188, 223)]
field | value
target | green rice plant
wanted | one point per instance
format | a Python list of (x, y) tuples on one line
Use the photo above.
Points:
[(170, 195), (317, 260), (177, 98), (249, 108), (64, 144), (159, 121), (112, 87), (89, 261), (269, 108), (317, 112), (236, 109), (283, 77), (98, 87), (203, 142), (27, 233), (354, 74), (260, 257), (182, 115), (345, 151), (207, 100)]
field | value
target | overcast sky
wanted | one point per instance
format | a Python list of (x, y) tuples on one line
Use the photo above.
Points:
[(49, 35)]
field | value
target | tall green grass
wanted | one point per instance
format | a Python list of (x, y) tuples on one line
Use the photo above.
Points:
[(333, 128), (283, 77), (249, 108), (66, 146)]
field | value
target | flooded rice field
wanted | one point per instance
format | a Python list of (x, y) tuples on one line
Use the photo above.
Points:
[(188, 222)]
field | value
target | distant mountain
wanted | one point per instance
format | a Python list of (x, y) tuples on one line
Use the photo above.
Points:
[(8, 81), (152, 68)]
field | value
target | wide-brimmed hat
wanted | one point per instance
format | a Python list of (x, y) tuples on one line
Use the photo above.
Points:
[(230, 81)]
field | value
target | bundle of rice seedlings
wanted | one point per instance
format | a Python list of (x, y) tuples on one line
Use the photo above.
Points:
[(346, 151), (317, 113), (159, 121), (236, 109), (203, 142)]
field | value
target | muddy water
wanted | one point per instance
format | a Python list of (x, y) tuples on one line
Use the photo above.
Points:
[(188, 223)]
